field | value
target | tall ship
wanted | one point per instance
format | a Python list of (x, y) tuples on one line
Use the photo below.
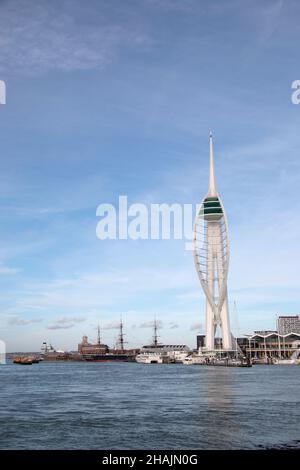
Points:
[(100, 352)]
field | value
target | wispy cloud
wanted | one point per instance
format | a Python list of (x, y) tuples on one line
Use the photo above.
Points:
[(89, 291), (8, 270), (65, 322), (37, 36), (150, 324), (18, 321), (110, 326), (68, 319), (195, 326), (59, 326)]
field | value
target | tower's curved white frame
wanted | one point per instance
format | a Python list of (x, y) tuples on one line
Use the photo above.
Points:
[(211, 256)]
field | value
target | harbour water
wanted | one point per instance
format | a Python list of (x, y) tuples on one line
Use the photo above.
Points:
[(135, 406)]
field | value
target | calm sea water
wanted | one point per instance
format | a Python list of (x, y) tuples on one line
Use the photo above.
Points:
[(136, 406)]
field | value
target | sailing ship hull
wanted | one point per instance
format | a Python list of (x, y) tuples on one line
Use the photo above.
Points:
[(107, 357)]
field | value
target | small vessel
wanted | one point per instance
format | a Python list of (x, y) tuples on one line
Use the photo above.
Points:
[(194, 359), (25, 361)]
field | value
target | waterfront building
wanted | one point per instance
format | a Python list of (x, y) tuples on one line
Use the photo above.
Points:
[(264, 332), (267, 345), (211, 256), (288, 324)]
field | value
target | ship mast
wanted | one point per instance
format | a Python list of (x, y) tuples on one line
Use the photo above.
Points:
[(98, 338), (155, 335), (121, 335)]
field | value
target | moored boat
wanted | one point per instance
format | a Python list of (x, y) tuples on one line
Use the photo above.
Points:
[(149, 358), (193, 360), (25, 361)]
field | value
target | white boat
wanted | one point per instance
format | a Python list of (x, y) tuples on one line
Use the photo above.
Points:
[(294, 359), (149, 358), (283, 361), (194, 360), (177, 357)]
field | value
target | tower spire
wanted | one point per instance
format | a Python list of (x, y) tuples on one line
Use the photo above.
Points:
[(212, 178)]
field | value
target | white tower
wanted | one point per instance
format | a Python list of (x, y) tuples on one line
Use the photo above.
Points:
[(211, 256)]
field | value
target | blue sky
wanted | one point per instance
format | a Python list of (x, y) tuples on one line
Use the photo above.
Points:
[(109, 98)]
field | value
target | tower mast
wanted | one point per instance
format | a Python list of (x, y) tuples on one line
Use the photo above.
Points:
[(212, 176)]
